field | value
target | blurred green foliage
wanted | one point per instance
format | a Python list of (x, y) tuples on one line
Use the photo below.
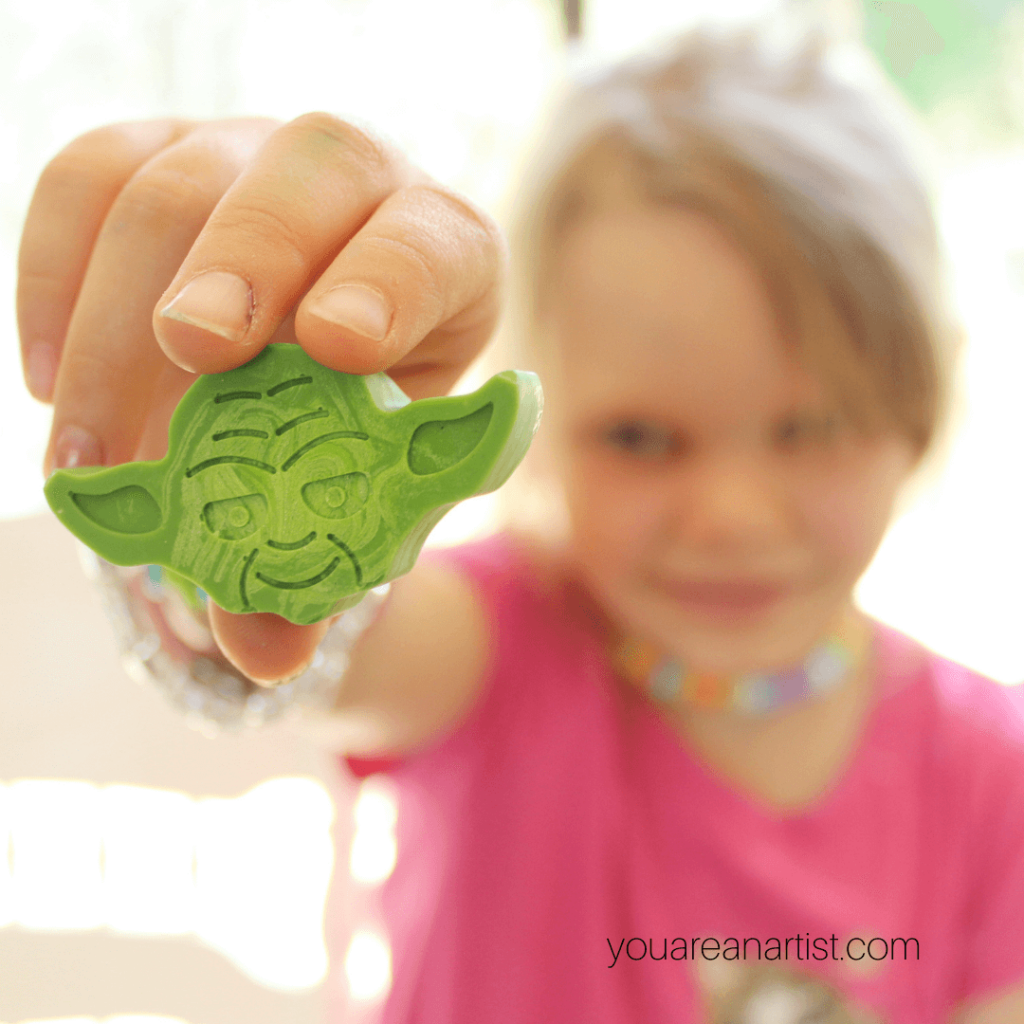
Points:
[(957, 61)]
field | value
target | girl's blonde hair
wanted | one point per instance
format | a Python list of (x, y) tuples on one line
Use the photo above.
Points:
[(812, 176)]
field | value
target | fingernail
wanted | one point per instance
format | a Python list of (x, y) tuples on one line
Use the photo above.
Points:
[(273, 684), (355, 308), (42, 370), (76, 447), (215, 301)]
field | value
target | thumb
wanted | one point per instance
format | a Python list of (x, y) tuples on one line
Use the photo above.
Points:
[(266, 648)]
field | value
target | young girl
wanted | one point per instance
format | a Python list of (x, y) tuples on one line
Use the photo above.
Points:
[(653, 763)]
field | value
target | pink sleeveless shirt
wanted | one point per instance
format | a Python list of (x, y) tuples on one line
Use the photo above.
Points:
[(563, 857)]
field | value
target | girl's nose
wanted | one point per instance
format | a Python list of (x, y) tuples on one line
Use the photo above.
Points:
[(729, 500)]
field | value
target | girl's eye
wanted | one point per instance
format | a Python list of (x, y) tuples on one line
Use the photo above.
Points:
[(642, 440), (796, 432)]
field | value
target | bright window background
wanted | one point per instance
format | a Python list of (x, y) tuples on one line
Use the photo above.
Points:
[(246, 876), (458, 84)]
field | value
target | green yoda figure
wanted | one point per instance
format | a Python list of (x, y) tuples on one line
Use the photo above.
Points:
[(291, 488)]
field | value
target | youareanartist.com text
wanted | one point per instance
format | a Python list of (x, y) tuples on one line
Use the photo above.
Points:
[(792, 947)]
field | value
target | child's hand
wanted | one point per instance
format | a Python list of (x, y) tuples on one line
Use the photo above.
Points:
[(153, 251)]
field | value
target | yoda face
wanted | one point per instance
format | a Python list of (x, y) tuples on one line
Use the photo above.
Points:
[(291, 488)]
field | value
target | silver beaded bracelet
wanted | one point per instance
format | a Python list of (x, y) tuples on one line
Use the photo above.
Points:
[(166, 643)]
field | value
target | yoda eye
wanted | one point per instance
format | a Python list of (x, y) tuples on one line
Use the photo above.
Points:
[(337, 496), (235, 518)]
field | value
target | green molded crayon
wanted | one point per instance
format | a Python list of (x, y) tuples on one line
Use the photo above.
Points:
[(291, 488)]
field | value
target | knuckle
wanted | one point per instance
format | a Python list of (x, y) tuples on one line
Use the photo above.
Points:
[(84, 161), (468, 219), (266, 228), (91, 368), (161, 194), (95, 154), (93, 143), (334, 138), (37, 281), (413, 260)]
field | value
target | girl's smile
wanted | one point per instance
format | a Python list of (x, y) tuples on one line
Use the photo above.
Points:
[(726, 599), (719, 503)]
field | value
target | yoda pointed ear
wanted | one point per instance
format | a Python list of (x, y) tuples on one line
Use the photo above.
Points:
[(457, 447), (116, 511), (470, 444)]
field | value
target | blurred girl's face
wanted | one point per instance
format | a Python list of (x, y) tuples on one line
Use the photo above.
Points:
[(718, 504)]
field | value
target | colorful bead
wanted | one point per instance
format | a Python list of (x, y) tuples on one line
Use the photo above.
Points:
[(707, 690), (825, 665), (757, 693), (666, 680), (753, 694)]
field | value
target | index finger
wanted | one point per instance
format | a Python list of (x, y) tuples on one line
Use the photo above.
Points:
[(316, 180), (380, 264)]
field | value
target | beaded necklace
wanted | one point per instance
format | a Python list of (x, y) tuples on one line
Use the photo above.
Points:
[(665, 679)]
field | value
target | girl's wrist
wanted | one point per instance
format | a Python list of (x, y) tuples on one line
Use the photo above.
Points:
[(163, 635)]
